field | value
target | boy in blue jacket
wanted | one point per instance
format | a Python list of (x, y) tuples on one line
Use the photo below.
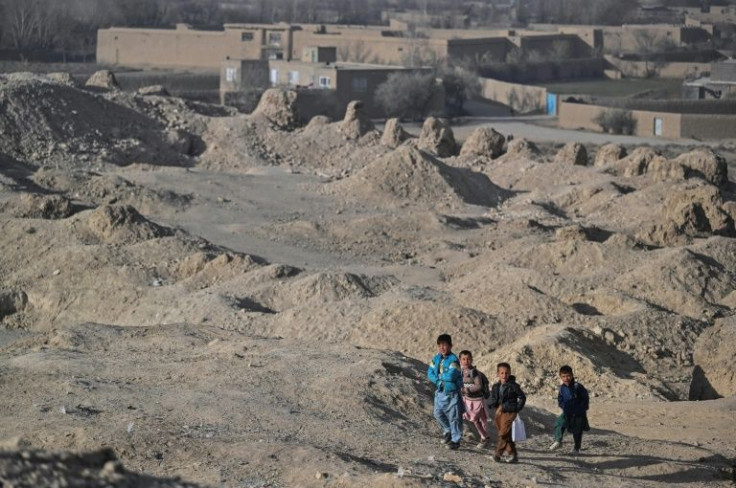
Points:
[(573, 400), (445, 373)]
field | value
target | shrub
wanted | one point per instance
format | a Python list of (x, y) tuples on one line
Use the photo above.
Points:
[(616, 121), (407, 95)]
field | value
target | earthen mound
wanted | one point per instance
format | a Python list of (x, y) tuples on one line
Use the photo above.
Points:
[(536, 357), (44, 121), (279, 107), (522, 148), (694, 210), (572, 153), (393, 134), (98, 468), (122, 224), (102, 79), (35, 206), (714, 374), (484, 141), (356, 123), (706, 164), (437, 138), (408, 174), (608, 154)]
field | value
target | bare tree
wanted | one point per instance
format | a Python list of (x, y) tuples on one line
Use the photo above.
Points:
[(407, 95)]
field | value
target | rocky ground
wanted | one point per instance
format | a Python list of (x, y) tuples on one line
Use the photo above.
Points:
[(195, 297)]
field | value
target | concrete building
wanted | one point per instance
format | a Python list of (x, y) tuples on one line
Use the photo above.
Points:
[(185, 47), (317, 70)]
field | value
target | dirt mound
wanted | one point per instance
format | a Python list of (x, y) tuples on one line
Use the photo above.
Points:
[(609, 154), (484, 141), (122, 224), (279, 107), (572, 153), (437, 138), (35, 206), (410, 175), (393, 134), (536, 357), (714, 375), (706, 164), (522, 148), (694, 210), (48, 123), (356, 124), (103, 79), (92, 469)]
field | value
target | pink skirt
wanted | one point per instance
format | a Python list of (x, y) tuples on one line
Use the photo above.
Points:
[(474, 409)]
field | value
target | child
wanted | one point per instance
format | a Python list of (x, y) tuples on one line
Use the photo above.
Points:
[(444, 372), (507, 399), (573, 400), (475, 411)]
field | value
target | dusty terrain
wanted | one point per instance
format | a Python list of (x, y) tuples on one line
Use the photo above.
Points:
[(195, 297)]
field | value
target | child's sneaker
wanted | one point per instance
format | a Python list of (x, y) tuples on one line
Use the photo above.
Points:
[(555, 445), (575, 451), (453, 446), (482, 444), (513, 459), (447, 438)]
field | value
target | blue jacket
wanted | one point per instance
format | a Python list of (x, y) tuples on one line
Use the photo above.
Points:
[(573, 399), (445, 373)]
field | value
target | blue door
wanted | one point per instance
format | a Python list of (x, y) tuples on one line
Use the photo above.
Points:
[(551, 104)]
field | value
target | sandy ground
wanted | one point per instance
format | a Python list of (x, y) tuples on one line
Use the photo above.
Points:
[(260, 310)]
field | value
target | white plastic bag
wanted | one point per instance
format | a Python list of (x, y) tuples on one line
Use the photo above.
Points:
[(518, 431)]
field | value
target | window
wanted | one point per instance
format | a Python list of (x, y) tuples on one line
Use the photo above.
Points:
[(246, 36), (274, 38), (324, 81), (658, 126), (360, 84), (230, 74), (274, 77), (293, 78)]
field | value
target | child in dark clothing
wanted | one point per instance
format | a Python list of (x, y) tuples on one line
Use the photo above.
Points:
[(507, 399), (573, 400)]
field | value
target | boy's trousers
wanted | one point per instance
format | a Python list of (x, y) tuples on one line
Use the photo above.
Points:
[(577, 429), (448, 412), (504, 421)]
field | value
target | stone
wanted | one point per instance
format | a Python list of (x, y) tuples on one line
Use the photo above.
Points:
[(523, 148), (572, 153), (437, 138), (452, 477), (12, 301), (151, 90), (484, 141), (103, 79)]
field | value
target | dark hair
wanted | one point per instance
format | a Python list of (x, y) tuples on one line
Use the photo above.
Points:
[(444, 338), (566, 369), (503, 365), (465, 352)]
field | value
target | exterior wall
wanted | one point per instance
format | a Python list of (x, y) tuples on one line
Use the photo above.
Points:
[(236, 75), (636, 69), (489, 49), (184, 47), (580, 116), (725, 71), (369, 45), (708, 127), (522, 98)]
